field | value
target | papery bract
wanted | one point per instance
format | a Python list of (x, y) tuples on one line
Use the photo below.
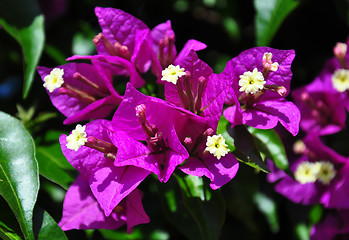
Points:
[(323, 111), (109, 184), (81, 210), (85, 94)]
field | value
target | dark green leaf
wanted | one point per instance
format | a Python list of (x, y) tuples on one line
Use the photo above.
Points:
[(270, 15), (45, 228), (9, 228), (208, 215), (19, 177), (271, 145), (268, 207), (52, 163), (246, 150), (24, 22), (194, 186), (175, 212)]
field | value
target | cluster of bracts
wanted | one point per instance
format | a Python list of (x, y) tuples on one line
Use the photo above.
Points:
[(174, 129)]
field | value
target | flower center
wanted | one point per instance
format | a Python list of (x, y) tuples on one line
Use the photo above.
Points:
[(251, 82), (340, 80), (216, 145), (172, 73), (54, 80)]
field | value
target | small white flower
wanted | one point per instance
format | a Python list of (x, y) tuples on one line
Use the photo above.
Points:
[(251, 82), (340, 80), (307, 172), (216, 146), (54, 79), (77, 138), (326, 172), (172, 73)]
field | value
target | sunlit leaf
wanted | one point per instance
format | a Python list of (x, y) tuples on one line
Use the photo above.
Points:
[(45, 228), (269, 16), (193, 186), (23, 20), (270, 144), (18, 171)]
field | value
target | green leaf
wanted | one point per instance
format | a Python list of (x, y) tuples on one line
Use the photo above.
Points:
[(246, 150), (9, 228), (23, 20), (268, 207), (208, 215), (19, 177), (112, 234), (52, 163), (45, 228), (193, 186), (270, 144), (270, 14)]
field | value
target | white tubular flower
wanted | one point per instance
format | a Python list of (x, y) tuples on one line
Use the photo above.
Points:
[(340, 80), (268, 63), (172, 73), (326, 173), (307, 172), (77, 138), (54, 80), (216, 146), (251, 82)]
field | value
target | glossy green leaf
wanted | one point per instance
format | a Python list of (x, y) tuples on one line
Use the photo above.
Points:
[(208, 215), (246, 150), (269, 16), (9, 228), (23, 20), (52, 163), (175, 212), (45, 228), (268, 207), (270, 144), (194, 186), (19, 177)]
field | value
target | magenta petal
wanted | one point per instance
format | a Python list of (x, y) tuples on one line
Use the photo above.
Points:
[(82, 211), (133, 153), (111, 184), (286, 113), (191, 44), (118, 26), (299, 193), (219, 171), (99, 109), (143, 53), (135, 213)]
